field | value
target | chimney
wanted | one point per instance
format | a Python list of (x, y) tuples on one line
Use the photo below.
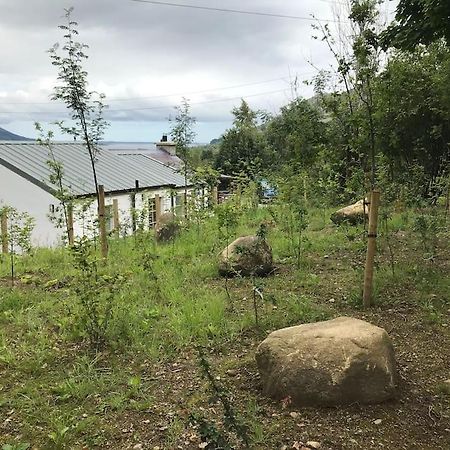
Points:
[(166, 146)]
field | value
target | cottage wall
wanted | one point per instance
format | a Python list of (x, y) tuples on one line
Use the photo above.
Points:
[(85, 210), (25, 196)]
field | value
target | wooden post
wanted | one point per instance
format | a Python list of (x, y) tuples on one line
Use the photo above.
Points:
[(70, 224), (133, 207), (116, 223), (157, 207), (133, 212), (371, 248), (4, 229), (102, 221)]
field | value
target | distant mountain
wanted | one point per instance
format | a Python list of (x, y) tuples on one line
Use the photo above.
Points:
[(8, 136)]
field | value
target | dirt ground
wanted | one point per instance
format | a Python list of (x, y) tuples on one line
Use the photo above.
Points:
[(419, 418)]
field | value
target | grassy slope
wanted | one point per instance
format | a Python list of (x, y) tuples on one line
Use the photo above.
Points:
[(56, 393)]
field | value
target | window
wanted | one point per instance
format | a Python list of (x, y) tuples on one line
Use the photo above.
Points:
[(179, 204), (151, 212)]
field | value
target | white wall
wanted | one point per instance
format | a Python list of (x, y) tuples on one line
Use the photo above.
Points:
[(25, 196), (84, 221)]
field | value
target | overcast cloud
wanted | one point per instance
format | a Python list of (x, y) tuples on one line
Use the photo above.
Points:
[(145, 57)]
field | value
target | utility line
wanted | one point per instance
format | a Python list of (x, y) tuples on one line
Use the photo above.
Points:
[(124, 99), (154, 107), (205, 102), (233, 11)]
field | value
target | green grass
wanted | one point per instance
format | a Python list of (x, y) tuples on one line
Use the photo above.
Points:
[(65, 395)]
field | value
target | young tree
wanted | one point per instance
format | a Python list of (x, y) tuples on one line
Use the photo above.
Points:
[(295, 134), (350, 104), (56, 178), (20, 225), (366, 64), (243, 149), (183, 135), (86, 106)]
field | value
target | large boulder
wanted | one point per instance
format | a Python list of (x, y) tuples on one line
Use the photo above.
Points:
[(352, 214), (335, 362), (247, 255), (167, 227)]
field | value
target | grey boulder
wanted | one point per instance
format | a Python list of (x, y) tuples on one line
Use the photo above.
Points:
[(247, 255), (352, 214), (167, 227)]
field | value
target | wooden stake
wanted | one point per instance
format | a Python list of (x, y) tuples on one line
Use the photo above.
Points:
[(157, 207), (70, 224), (102, 221), (371, 248), (4, 230)]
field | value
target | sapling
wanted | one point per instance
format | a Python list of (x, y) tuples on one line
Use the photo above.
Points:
[(56, 178), (385, 216), (19, 228), (231, 420), (96, 292), (86, 106), (183, 135), (227, 221)]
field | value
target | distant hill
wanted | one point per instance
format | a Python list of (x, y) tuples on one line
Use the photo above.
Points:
[(8, 136)]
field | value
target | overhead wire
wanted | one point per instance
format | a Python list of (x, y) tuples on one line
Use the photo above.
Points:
[(177, 94), (232, 11), (148, 108)]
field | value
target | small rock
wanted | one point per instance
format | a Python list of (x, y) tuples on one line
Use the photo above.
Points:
[(377, 421), (138, 447), (294, 414), (447, 382), (232, 372), (313, 444), (332, 300), (326, 256)]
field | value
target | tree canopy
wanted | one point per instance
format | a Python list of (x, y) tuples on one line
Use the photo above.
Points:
[(418, 22)]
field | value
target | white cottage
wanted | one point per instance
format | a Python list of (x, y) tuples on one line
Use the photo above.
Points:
[(132, 182)]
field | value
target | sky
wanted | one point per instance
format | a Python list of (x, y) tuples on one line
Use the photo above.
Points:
[(146, 57)]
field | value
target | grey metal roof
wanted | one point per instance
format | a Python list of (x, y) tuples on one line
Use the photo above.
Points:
[(148, 149), (115, 172)]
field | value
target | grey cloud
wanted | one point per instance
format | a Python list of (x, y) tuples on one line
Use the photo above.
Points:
[(139, 49)]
